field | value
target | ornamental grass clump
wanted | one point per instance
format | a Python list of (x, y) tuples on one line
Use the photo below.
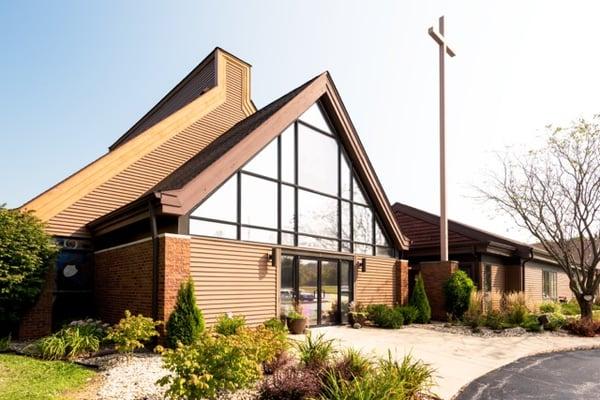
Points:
[(186, 322), (457, 291), (420, 302), (132, 332), (75, 339), (315, 352)]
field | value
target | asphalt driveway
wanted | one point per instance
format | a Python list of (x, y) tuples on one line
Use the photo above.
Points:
[(572, 375), (457, 359)]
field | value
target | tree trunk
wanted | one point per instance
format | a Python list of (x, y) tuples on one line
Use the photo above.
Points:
[(586, 307)]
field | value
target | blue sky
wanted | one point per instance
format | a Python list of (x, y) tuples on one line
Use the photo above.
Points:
[(75, 75)]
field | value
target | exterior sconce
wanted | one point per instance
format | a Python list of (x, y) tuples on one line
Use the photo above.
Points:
[(270, 258), (362, 264)]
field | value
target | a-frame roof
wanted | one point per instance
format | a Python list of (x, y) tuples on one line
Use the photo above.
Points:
[(191, 183)]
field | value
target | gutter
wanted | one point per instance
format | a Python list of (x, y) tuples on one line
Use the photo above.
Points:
[(155, 249), (523, 262)]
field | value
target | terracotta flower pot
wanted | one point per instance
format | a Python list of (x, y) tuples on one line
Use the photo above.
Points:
[(296, 326)]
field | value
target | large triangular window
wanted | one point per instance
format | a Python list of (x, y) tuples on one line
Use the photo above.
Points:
[(299, 190)]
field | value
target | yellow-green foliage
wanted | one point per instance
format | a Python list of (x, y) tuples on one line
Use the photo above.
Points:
[(132, 332), (219, 362)]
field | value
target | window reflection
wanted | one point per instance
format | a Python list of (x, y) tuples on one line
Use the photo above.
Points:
[(317, 214), (287, 208), (222, 204), (314, 117), (288, 155), (259, 202), (215, 229), (259, 235), (317, 161), (363, 224), (357, 193), (265, 162)]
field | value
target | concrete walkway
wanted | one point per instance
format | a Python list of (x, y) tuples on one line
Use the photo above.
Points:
[(458, 359)]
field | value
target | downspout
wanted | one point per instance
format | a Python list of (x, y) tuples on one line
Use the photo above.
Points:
[(523, 261), (155, 249)]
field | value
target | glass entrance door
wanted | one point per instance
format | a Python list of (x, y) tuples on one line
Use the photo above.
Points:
[(321, 287)]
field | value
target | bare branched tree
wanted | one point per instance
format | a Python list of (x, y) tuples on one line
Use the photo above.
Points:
[(554, 193)]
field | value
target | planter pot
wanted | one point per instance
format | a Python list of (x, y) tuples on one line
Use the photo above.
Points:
[(356, 319), (296, 326)]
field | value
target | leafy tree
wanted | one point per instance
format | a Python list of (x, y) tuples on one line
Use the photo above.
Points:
[(553, 191), (186, 322), (420, 302), (27, 252), (457, 290)]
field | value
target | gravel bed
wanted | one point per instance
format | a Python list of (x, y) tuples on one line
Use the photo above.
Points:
[(486, 332)]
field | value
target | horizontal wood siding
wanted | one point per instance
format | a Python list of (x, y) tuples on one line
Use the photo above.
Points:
[(233, 276), (534, 282), (151, 168), (377, 285)]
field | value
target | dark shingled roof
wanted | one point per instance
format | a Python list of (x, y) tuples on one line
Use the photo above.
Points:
[(215, 150)]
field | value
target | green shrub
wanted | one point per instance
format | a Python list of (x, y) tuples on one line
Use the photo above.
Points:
[(555, 321), (5, 344), (457, 292), (420, 302), (517, 314), (409, 314), (549, 307), (390, 380), (385, 316), (213, 364), (27, 252), (230, 325), (132, 332), (75, 339), (570, 308), (277, 326), (494, 320), (531, 323), (315, 353), (583, 327), (186, 322)]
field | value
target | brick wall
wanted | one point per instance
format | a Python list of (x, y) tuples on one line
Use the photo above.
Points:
[(435, 274), (402, 281), (37, 321), (123, 280), (123, 277)]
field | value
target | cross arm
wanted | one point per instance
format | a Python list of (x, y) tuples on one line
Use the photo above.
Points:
[(439, 39)]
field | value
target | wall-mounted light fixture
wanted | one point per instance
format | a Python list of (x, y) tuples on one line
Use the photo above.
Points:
[(362, 264)]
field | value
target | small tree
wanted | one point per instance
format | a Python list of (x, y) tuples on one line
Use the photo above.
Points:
[(420, 302), (457, 290), (26, 254), (186, 322), (554, 192)]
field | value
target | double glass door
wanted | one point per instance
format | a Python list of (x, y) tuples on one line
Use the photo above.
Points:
[(322, 288)]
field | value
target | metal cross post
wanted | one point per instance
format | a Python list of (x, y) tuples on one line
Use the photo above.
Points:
[(438, 36)]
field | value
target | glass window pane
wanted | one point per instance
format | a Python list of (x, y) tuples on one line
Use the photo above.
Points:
[(317, 214), (317, 161), (363, 224), (346, 247), (315, 117), (363, 249), (357, 193), (317, 243), (207, 228), (380, 238), (346, 223), (259, 235), (345, 178), (287, 239), (286, 293), (345, 289), (287, 155), (259, 202), (288, 217), (265, 162), (384, 251), (329, 292), (222, 204)]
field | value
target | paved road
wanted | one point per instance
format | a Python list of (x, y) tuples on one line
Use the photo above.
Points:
[(572, 375)]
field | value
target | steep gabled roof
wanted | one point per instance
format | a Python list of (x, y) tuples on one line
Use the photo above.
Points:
[(191, 183)]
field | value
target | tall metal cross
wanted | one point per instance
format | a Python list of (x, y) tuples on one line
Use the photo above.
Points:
[(438, 36)]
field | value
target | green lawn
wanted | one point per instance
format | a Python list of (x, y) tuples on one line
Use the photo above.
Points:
[(28, 378)]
